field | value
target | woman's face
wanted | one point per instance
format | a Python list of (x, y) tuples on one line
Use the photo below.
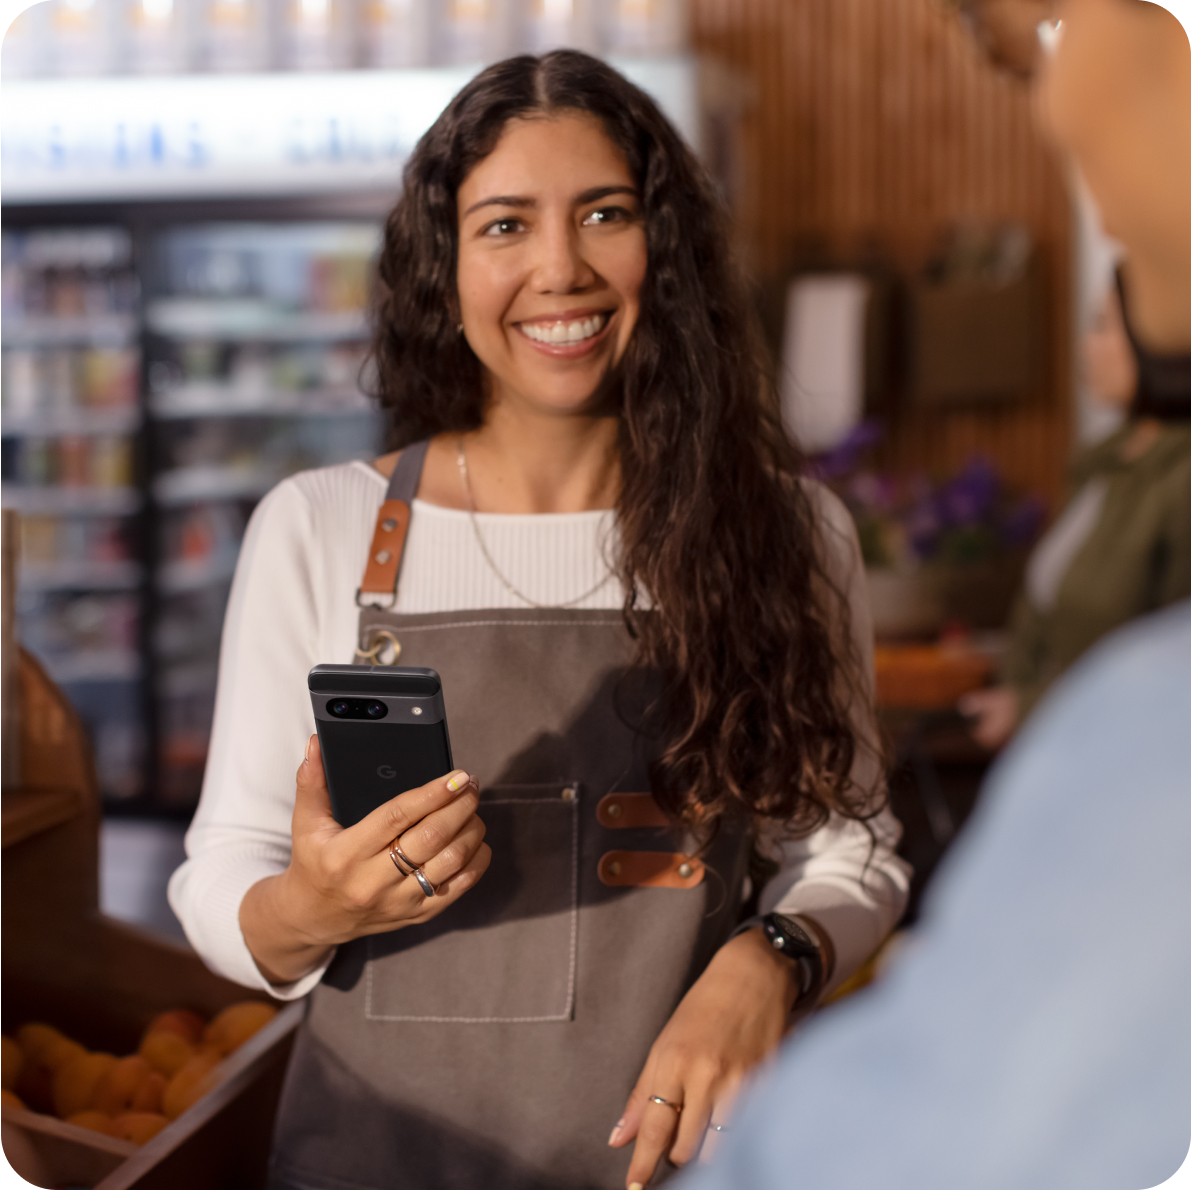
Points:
[(551, 261)]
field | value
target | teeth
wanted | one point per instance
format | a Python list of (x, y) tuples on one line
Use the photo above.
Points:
[(565, 332)]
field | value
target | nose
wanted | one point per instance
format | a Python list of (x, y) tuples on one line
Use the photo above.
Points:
[(559, 265)]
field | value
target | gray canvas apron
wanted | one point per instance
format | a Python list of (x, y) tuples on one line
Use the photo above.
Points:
[(494, 1047)]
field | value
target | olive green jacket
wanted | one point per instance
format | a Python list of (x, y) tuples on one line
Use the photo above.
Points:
[(1136, 560)]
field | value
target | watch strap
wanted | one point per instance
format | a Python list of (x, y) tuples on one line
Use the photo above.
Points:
[(799, 942)]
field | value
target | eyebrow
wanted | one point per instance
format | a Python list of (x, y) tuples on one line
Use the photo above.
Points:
[(518, 200)]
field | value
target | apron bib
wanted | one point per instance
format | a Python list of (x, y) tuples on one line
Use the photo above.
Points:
[(494, 1047)]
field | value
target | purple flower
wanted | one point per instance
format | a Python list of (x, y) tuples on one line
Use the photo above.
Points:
[(969, 498), (1021, 523)]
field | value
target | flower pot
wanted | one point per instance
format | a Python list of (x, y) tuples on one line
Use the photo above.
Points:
[(907, 604)]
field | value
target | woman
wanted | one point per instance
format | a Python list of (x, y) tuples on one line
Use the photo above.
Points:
[(1120, 548), (624, 588)]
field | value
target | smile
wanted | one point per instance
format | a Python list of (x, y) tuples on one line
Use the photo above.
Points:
[(565, 333)]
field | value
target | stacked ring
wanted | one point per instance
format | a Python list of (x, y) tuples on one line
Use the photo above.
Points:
[(407, 867)]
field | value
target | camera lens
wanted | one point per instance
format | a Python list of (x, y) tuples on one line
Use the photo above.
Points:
[(339, 706), (376, 710)]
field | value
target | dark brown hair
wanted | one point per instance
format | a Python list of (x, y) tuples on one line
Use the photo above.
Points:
[(715, 528)]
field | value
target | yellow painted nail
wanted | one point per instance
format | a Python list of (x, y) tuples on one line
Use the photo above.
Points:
[(458, 781)]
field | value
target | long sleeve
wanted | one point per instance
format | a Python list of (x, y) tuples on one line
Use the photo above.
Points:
[(241, 832), (852, 883)]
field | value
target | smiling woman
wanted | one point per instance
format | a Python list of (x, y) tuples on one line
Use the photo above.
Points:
[(656, 657)]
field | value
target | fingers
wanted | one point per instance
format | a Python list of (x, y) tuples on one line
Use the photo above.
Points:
[(692, 1127), (626, 1127), (456, 855), (374, 833), (466, 878), (438, 830), (312, 801), (655, 1135), (721, 1116)]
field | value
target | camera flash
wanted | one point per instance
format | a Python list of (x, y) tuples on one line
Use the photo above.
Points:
[(416, 710)]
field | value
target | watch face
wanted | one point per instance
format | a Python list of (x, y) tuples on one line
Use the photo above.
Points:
[(789, 937)]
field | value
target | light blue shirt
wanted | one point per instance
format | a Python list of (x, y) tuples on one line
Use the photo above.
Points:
[(1037, 1031)]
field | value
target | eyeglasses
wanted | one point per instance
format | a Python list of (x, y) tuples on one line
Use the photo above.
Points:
[(1014, 34)]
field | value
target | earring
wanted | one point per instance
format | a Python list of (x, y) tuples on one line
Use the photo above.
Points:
[(459, 328)]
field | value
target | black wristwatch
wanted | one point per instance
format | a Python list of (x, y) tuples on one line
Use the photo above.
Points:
[(795, 941)]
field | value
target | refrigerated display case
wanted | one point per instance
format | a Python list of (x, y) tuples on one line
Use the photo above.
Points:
[(158, 378), (255, 339), (72, 426)]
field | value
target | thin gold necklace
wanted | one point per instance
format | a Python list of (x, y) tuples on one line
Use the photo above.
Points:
[(496, 570)]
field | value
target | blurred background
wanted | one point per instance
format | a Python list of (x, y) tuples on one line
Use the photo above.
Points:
[(193, 192)]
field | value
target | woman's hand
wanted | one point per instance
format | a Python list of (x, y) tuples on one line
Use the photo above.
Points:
[(341, 883), (995, 713), (733, 1017)]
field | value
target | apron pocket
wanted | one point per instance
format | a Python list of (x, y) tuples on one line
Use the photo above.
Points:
[(505, 952)]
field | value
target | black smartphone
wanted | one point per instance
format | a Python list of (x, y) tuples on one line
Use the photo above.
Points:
[(382, 730)]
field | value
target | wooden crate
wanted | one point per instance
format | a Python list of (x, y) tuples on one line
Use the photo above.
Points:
[(100, 982)]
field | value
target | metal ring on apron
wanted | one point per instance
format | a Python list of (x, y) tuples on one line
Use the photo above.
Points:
[(382, 639)]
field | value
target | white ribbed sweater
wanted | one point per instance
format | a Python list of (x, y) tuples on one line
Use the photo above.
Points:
[(292, 606)]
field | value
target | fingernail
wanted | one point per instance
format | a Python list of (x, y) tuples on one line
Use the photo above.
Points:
[(636, 1186), (309, 746), (457, 781), (616, 1131)]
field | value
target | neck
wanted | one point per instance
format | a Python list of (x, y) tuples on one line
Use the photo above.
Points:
[(523, 462)]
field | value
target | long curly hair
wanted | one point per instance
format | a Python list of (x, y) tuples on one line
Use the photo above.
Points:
[(727, 595)]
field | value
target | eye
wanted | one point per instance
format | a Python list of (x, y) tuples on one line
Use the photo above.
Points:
[(607, 215), (503, 227)]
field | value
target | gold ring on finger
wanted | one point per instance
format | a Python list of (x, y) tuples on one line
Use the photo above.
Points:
[(666, 1103)]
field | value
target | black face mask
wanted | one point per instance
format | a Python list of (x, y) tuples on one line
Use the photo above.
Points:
[(1163, 381)]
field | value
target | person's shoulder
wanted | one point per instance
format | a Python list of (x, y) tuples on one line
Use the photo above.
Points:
[(835, 528), (1130, 683), (324, 492), (1158, 645), (322, 486), (826, 507)]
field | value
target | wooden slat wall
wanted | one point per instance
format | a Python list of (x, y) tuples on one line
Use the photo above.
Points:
[(874, 125)]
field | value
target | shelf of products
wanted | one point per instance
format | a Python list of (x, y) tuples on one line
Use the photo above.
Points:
[(58, 330), (81, 422), (68, 39), (250, 321), (81, 575), (72, 421), (135, 484), (72, 501), (255, 346), (227, 400)]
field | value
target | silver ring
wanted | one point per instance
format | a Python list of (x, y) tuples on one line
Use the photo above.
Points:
[(407, 867), (720, 1127), (666, 1103)]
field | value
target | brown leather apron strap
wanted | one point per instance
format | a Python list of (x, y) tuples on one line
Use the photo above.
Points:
[(392, 524)]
